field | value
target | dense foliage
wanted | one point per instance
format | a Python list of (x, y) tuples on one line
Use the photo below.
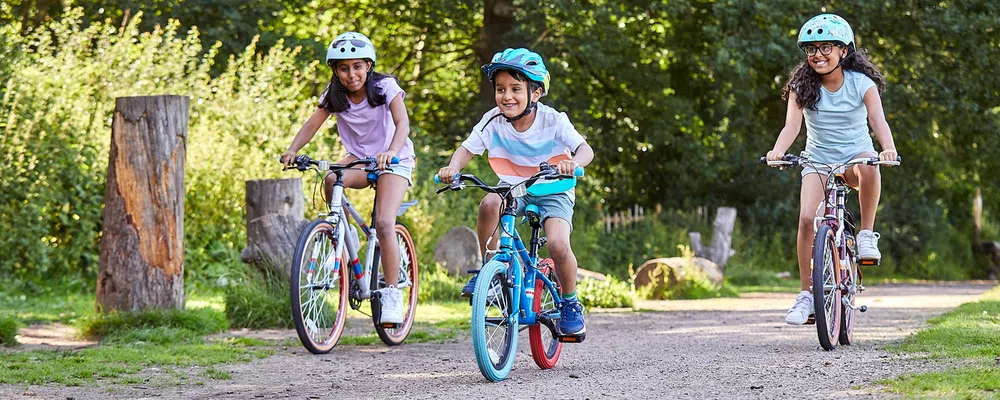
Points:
[(685, 92)]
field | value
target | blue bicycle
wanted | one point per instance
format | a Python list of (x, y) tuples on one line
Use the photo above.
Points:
[(502, 304)]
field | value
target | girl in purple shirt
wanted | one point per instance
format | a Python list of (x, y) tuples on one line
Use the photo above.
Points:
[(372, 122)]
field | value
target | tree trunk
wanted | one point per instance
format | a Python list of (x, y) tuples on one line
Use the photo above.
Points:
[(722, 236), (983, 253), (498, 20), (274, 219), (142, 244)]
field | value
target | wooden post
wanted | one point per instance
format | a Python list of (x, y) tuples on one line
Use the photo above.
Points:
[(274, 219), (142, 245), (987, 253)]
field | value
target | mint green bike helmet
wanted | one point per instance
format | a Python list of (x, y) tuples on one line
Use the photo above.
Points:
[(827, 28), (523, 60)]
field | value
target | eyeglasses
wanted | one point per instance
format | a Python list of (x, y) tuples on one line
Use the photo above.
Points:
[(825, 49), (355, 42)]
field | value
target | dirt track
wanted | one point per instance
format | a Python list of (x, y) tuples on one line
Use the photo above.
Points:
[(680, 349)]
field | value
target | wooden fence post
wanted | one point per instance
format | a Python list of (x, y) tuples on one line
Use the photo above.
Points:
[(142, 245)]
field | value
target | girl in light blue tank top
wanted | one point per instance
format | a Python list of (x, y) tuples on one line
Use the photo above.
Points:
[(837, 90)]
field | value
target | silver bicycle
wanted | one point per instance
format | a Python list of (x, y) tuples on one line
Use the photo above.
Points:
[(326, 272)]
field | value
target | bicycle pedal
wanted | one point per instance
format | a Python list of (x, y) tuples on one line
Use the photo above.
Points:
[(811, 320), (387, 325), (868, 263), (573, 338)]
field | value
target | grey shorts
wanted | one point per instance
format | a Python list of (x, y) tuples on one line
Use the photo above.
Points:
[(557, 205), (400, 170)]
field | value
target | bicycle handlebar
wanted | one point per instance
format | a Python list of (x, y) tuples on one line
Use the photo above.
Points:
[(303, 163), (546, 172), (790, 160)]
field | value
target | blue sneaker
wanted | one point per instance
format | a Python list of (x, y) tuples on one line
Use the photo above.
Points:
[(470, 286), (571, 318)]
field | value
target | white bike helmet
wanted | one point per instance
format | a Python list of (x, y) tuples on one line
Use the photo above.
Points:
[(350, 45)]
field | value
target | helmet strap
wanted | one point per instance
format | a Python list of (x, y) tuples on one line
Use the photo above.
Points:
[(527, 110), (841, 62)]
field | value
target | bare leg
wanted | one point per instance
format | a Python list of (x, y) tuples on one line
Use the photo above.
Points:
[(486, 224), (810, 197), (557, 231), (390, 191), (868, 180)]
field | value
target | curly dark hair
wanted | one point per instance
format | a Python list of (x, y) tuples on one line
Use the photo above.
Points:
[(805, 82), (336, 101)]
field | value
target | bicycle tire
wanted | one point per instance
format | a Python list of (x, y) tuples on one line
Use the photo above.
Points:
[(318, 331), (545, 345), (491, 290), (825, 285), (407, 265), (847, 310)]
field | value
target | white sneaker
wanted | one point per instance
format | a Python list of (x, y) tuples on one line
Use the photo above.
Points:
[(803, 308), (868, 245), (392, 306)]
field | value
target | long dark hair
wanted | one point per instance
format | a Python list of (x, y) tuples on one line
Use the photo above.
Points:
[(336, 101), (805, 81)]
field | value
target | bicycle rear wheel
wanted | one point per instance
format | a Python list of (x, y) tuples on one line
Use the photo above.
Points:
[(853, 283), (545, 346), (494, 322), (408, 284), (319, 288), (825, 285)]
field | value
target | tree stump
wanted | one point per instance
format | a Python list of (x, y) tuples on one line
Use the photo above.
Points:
[(275, 209), (721, 247), (142, 244)]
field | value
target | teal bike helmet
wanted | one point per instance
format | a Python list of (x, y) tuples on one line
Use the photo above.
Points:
[(350, 45), (524, 61), (827, 28)]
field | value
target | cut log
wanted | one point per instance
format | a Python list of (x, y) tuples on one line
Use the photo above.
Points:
[(141, 264), (275, 209)]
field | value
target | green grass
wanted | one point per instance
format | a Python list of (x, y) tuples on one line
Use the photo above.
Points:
[(47, 307), (258, 302), (117, 364), (198, 321), (968, 335), (8, 330)]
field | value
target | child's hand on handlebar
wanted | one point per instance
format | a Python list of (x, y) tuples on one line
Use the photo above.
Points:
[(888, 155), (288, 157), (566, 167), (447, 174)]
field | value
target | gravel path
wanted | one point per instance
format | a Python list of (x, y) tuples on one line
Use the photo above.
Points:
[(718, 348)]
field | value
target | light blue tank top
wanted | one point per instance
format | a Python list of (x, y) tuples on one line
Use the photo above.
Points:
[(838, 129)]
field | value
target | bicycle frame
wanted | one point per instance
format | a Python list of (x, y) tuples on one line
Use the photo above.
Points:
[(522, 267), (362, 275)]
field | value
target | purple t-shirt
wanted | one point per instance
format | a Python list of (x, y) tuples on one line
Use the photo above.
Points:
[(367, 131)]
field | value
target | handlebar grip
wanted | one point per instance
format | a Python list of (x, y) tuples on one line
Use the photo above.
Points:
[(578, 171), (899, 159), (394, 160), (437, 179), (763, 160)]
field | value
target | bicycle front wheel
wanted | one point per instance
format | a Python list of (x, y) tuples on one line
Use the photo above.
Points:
[(853, 284), (319, 288), (408, 284), (545, 346), (826, 287), (494, 322)]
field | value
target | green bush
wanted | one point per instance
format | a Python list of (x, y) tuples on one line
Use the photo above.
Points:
[(199, 321), (437, 285), (611, 293), (8, 330), (259, 301)]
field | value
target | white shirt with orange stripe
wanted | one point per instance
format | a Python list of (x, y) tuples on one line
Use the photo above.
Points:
[(515, 156)]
